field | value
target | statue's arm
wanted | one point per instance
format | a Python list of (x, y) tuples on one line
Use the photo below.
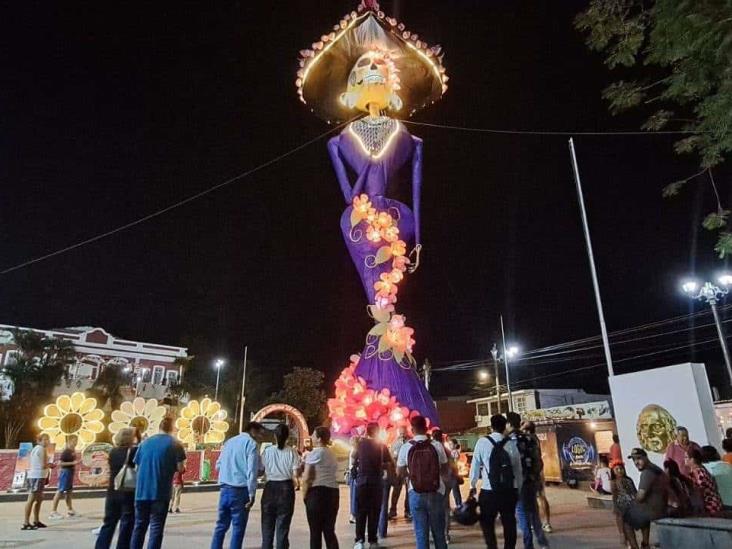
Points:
[(417, 187), (340, 168), (416, 201)]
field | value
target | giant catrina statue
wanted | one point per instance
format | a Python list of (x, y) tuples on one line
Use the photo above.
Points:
[(370, 65)]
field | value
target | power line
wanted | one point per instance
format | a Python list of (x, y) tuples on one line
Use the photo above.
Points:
[(548, 132), (173, 206)]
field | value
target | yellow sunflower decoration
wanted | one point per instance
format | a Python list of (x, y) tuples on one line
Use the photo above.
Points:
[(202, 422), (72, 415), (142, 414)]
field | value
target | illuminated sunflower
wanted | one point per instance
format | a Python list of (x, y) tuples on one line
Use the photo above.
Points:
[(72, 415), (202, 422), (141, 414)]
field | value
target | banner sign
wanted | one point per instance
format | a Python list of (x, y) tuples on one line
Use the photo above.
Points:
[(22, 464), (589, 410)]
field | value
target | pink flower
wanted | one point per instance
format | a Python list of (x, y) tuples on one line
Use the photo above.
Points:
[(396, 322), (400, 262)]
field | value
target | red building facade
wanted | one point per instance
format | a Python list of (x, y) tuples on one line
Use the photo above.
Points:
[(151, 367)]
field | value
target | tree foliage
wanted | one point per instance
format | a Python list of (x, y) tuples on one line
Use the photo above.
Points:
[(303, 389), (678, 56), (108, 387), (40, 365)]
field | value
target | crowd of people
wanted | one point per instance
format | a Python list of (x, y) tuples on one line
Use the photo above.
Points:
[(146, 479)]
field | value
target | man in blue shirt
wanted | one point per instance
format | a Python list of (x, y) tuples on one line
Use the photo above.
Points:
[(157, 459), (238, 467)]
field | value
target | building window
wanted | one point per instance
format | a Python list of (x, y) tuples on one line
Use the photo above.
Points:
[(483, 409), (520, 403), (172, 377), (158, 375)]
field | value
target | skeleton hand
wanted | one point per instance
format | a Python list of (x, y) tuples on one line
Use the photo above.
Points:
[(414, 258)]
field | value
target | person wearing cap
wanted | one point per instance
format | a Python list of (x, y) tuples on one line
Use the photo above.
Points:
[(650, 502)]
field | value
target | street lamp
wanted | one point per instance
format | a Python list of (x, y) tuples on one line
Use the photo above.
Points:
[(712, 293), (509, 352), (218, 364), (483, 375)]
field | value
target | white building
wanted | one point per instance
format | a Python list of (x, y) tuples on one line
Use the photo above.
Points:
[(530, 399)]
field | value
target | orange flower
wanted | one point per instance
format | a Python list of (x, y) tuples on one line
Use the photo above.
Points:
[(373, 234), (398, 248), (384, 286), (384, 220), (391, 234)]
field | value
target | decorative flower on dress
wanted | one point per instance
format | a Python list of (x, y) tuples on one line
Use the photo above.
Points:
[(141, 414), (72, 415), (355, 406), (202, 422)]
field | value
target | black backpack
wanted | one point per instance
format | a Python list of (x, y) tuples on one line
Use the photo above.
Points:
[(530, 452), (500, 469)]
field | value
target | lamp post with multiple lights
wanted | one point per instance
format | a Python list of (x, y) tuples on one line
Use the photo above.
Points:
[(711, 293), (509, 352), (218, 365)]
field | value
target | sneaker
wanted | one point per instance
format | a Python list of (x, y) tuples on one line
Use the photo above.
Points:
[(71, 513), (547, 528), (39, 525), (55, 515), (359, 545)]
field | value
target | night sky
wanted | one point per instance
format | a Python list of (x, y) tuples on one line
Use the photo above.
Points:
[(111, 111)]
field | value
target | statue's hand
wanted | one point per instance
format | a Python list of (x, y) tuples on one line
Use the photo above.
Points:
[(414, 258)]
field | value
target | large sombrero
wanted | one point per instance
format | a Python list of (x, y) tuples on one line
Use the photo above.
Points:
[(324, 68)]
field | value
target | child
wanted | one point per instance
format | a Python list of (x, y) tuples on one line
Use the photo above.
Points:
[(602, 478), (65, 488), (177, 490)]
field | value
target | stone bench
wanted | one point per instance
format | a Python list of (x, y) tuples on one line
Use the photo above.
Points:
[(697, 533)]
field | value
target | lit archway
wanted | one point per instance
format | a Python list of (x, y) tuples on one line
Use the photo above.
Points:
[(291, 412)]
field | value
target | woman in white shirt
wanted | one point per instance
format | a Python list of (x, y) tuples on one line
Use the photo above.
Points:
[(281, 463), (320, 490)]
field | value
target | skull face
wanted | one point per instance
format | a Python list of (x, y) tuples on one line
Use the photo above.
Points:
[(373, 80)]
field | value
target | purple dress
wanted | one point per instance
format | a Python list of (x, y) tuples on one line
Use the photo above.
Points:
[(374, 171)]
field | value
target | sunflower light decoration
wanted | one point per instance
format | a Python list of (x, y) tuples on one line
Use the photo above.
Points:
[(202, 422), (141, 414), (72, 415)]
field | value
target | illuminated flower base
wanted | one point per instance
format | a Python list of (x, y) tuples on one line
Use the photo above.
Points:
[(355, 406), (74, 415), (202, 422), (142, 414)]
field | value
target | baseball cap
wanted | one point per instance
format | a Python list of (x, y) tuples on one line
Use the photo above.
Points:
[(637, 452)]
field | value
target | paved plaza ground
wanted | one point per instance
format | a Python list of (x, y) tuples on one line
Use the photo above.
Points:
[(576, 525)]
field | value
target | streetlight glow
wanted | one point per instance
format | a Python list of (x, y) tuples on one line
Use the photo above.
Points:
[(218, 364), (690, 286), (512, 351), (483, 375), (725, 279)]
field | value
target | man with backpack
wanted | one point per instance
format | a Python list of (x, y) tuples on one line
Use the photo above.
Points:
[(496, 461), (424, 462), (532, 464), (370, 461)]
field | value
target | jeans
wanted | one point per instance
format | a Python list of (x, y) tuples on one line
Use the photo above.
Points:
[(449, 484), (492, 503), (428, 512), (152, 514), (321, 507), (396, 492), (232, 511), (528, 517), (457, 496), (352, 495), (368, 506), (384, 513), (278, 505), (118, 507)]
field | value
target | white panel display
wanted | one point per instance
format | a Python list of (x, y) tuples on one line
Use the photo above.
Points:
[(649, 405)]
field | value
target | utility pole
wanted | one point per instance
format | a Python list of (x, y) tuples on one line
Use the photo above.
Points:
[(591, 257), (242, 397), (505, 363), (494, 352)]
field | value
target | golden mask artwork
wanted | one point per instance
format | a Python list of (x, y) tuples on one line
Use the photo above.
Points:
[(373, 80), (655, 428)]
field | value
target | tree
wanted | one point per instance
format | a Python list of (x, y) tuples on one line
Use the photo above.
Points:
[(678, 54), (108, 386), (38, 368), (303, 389)]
